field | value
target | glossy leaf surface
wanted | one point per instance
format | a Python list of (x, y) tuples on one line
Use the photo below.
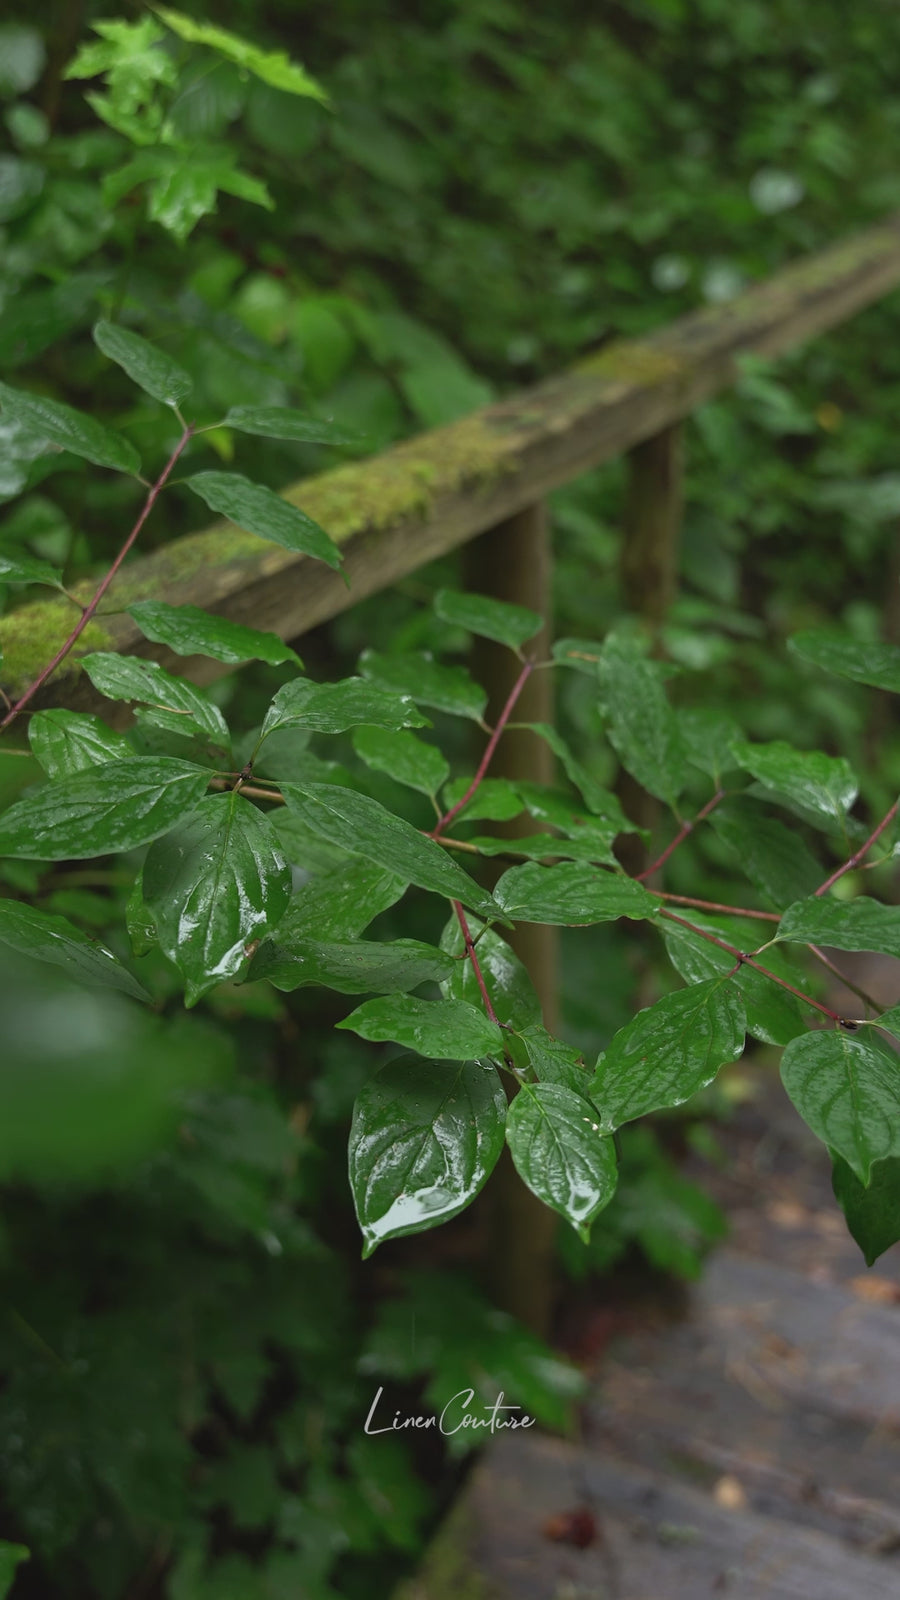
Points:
[(264, 513), (70, 430), (114, 807), (641, 724), (864, 661), (214, 886), (354, 967), (27, 569), (506, 980), (147, 366), (359, 824), (845, 1088), (72, 741), (56, 940), (570, 893), (822, 785), (130, 678), (430, 683), (339, 905), (774, 857), (860, 924), (403, 757), (191, 632), (335, 707), (560, 1153), (872, 1213), (489, 619), (280, 422), (669, 1051), (446, 1030), (425, 1137), (773, 1015)]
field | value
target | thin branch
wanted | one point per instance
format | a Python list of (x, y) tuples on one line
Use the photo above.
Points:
[(713, 905), (856, 858), (747, 961), (92, 605), (469, 943), (842, 976), (681, 835), (444, 821)]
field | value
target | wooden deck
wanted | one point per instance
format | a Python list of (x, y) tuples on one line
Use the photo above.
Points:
[(745, 1445)]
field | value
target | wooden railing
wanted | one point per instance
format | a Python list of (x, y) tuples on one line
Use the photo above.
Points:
[(485, 479)]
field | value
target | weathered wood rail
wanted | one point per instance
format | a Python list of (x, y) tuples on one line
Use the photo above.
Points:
[(486, 475)]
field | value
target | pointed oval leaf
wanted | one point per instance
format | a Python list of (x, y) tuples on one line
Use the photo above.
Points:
[(507, 982), (872, 1213), (70, 430), (864, 661), (429, 683), (280, 422), (357, 967), (446, 1030), (845, 1088), (151, 369), (774, 857), (860, 924), (359, 824), (555, 1062), (403, 757), (114, 807), (821, 786), (489, 619), (600, 801), (56, 940), (425, 1137), (264, 513), (707, 737), (560, 1153), (214, 886), (495, 799), (571, 894), (26, 569), (641, 724), (335, 707), (669, 1051), (339, 905), (191, 632), (72, 741), (131, 678), (773, 1014)]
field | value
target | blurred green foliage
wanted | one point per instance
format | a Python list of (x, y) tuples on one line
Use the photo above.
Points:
[(490, 191)]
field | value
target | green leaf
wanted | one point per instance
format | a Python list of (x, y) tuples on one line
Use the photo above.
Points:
[(429, 683), (274, 67), (707, 738), (339, 905), (597, 799), (489, 619), (280, 422), (70, 430), (179, 195), (11, 1555), (845, 1088), (131, 678), (140, 924), (669, 1051), (774, 857), (495, 799), (114, 807), (425, 1137), (571, 894), (865, 661), (214, 886), (890, 1019), (555, 1062), (559, 1152), (151, 369), (642, 727), (446, 1030), (26, 569), (542, 847), (335, 707), (358, 967), (507, 982), (861, 924), (189, 631), (72, 741), (773, 1014), (403, 757), (267, 515), (819, 785), (359, 824), (57, 941), (872, 1213)]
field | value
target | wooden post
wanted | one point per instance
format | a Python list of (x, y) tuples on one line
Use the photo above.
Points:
[(513, 562), (649, 576)]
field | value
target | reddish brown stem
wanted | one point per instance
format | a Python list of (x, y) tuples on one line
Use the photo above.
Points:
[(848, 983), (681, 835), (713, 905), (92, 605), (855, 859), (444, 821), (748, 961), (469, 943)]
